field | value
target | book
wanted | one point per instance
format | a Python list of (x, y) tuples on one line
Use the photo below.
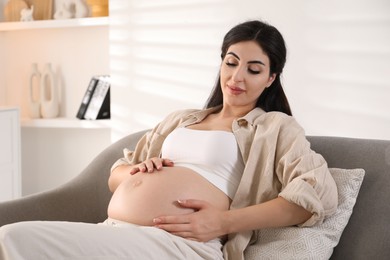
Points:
[(99, 105), (87, 98)]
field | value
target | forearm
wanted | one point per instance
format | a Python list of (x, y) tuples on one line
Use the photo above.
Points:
[(274, 213), (118, 175)]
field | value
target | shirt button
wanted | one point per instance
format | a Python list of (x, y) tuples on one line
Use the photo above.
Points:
[(242, 122)]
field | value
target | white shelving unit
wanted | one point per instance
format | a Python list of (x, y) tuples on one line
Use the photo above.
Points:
[(76, 48), (10, 177), (55, 150), (45, 24), (65, 123)]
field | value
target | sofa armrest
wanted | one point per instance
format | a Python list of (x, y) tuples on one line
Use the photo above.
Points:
[(83, 199), (74, 201)]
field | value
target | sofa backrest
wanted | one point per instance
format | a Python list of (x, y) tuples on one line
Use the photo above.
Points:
[(367, 235)]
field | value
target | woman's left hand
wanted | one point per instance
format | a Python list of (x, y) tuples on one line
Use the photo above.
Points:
[(206, 223)]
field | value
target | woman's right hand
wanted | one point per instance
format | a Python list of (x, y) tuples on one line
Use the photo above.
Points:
[(150, 164)]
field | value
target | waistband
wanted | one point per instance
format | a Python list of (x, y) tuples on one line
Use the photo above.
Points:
[(118, 223), (111, 222)]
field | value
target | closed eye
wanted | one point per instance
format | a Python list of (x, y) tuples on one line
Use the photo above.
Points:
[(230, 64), (253, 71)]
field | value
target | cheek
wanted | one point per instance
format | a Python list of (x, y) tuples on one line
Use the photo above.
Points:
[(223, 77), (256, 85), (256, 89), (257, 93)]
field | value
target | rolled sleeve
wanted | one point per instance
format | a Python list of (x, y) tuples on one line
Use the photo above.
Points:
[(305, 177), (123, 161), (316, 195)]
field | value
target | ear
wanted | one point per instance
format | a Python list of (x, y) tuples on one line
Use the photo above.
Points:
[(271, 79)]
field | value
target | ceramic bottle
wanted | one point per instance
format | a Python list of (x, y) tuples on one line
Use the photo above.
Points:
[(49, 93), (33, 92)]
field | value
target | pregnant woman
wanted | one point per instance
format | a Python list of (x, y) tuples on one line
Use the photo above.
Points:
[(201, 182)]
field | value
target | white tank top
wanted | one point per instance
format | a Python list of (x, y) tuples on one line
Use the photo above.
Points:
[(212, 154)]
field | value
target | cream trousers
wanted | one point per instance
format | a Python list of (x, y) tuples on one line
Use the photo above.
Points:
[(112, 239)]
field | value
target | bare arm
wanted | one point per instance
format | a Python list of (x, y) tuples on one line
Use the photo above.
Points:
[(274, 213)]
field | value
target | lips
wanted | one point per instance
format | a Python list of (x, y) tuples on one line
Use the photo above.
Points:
[(235, 90)]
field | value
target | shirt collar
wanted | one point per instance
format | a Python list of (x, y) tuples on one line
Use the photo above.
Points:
[(200, 115), (252, 115)]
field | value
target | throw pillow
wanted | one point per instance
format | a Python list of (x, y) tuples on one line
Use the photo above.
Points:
[(316, 242)]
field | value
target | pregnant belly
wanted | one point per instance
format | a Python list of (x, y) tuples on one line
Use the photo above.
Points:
[(144, 196)]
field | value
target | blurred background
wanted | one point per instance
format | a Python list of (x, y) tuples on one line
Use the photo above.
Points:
[(164, 55)]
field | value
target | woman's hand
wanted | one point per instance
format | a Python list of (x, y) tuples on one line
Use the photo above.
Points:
[(208, 222), (122, 172), (205, 224), (150, 164)]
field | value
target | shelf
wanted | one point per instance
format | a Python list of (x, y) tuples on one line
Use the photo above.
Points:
[(47, 24), (65, 123), (7, 108)]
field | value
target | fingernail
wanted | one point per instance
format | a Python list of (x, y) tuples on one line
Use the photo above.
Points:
[(181, 201), (156, 220)]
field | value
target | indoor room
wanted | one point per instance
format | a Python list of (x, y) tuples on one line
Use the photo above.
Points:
[(78, 77)]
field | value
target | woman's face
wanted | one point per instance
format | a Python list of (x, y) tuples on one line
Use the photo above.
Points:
[(245, 73)]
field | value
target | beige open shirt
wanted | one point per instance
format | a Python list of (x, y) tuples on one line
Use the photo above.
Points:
[(278, 159)]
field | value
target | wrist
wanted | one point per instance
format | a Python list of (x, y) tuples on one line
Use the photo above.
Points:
[(228, 222)]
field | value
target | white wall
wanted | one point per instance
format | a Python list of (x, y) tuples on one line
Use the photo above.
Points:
[(165, 55)]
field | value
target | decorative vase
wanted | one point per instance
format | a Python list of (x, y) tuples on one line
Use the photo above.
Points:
[(33, 92), (49, 93), (71, 9), (98, 7)]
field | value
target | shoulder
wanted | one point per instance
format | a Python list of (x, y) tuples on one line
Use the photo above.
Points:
[(279, 127), (180, 115), (275, 119)]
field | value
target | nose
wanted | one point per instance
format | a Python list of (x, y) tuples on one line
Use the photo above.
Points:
[(238, 74)]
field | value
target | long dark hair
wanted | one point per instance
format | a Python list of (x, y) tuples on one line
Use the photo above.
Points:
[(272, 43)]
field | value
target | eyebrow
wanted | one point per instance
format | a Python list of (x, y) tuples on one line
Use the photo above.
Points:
[(251, 62)]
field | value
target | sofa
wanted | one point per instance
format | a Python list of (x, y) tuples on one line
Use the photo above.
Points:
[(366, 235)]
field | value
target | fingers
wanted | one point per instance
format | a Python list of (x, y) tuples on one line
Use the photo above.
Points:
[(179, 227), (193, 204), (150, 164), (134, 170), (172, 224), (156, 163), (141, 167), (167, 162), (171, 220)]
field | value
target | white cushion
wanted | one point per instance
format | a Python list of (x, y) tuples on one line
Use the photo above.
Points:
[(316, 242)]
